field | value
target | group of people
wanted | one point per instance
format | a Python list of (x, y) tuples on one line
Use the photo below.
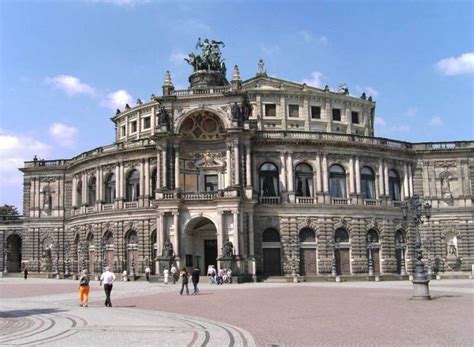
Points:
[(107, 278), (222, 276)]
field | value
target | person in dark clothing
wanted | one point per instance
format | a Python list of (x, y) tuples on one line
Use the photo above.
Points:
[(25, 273), (184, 281), (195, 277)]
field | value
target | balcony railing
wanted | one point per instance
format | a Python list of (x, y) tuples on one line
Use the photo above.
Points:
[(131, 204), (269, 199), (308, 200), (107, 207), (397, 203), (199, 196), (90, 209), (340, 201), (372, 202)]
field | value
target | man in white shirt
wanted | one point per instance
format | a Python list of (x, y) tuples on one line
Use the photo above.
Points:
[(174, 272), (108, 278)]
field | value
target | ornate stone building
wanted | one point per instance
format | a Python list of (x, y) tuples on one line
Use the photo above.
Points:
[(265, 175)]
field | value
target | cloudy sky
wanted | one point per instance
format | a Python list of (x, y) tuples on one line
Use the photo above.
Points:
[(65, 66)]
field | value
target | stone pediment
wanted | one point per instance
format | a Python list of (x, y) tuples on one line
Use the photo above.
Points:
[(272, 83)]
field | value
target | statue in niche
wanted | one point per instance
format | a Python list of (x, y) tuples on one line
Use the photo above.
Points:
[(163, 118), (228, 249), (445, 185), (235, 112), (453, 246), (168, 251), (47, 199), (208, 159)]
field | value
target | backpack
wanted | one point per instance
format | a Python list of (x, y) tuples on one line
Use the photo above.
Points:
[(84, 281)]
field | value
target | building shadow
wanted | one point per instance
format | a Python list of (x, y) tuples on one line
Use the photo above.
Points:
[(30, 312)]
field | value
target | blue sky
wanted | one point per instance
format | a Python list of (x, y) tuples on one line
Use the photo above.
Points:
[(66, 65)]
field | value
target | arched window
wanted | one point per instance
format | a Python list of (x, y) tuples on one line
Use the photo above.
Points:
[(90, 239), (153, 184), (304, 180), (132, 238), (341, 235), (110, 189), (337, 181), (394, 185), (372, 236), (367, 182), (269, 180), (399, 239), (307, 235), (92, 190), (108, 239), (79, 193), (271, 235), (133, 186)]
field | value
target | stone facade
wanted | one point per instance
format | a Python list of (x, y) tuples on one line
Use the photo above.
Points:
[(297, 185)]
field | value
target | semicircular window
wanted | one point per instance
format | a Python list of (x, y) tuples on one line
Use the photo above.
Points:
[(202, 125)]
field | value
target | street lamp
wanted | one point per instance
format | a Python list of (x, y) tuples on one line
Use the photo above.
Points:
[(66, 255), (370, 239), (415, 208), (5, 257)]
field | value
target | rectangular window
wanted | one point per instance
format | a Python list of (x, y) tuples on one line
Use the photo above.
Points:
[(293, 110), (210, 183), (189, 260), (146, 123), (270, 110), (315, 112), (336, 114), (190, 183), (355, 117), (123, 130), (133, 126)]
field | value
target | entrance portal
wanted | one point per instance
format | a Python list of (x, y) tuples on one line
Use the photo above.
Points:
[(14, 253), (201, 244)]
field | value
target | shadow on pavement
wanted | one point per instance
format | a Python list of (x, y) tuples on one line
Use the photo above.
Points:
[(436, 297), (31, 312)]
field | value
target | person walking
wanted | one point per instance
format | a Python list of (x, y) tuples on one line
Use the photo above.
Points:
[(108, 279), (195, 277), (174, 273), (147, 273), (220, 276), (84, 289), (184, 281), (25, 273)]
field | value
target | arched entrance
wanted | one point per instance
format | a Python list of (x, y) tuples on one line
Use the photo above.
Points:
[(91, 252), (132, 251), (109, 250), (400, 246), (14, 253), (373, 251), (271, 247), (200, 246), (46, 257), (308, 262), (153, 252), (342, 252)]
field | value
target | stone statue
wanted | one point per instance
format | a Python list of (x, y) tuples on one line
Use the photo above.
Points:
[(261, 68), (47, 198), (210, 59), (228, 249), (208, 159), (453, 246), (343, 88), (246, 108), (235, 112), (168, 251), (364, 96), (163, 118), (445, 186)]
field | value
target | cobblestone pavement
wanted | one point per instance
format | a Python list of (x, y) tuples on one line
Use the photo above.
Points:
[(361, 313)]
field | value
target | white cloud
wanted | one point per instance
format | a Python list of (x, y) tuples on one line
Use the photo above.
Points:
[(411, 112), (400, 129), (123, 3), (14, 150), (436, 122), (178, 58), (464, 64), (117, 99), (70, 85), (306, 35), (323, 40), (316, 80), (63, 134), (270, 50), (380, 121)]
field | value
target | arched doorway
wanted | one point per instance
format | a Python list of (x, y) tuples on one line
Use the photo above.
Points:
[(153, 252), (109, 250), (46, 257), (200, 246), (308, 262), (132, 251), (13, 253), (373, 251), (91, 252), (342, 252), (271, 247)]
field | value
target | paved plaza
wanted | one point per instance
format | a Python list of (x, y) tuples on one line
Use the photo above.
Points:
[(40, 311)]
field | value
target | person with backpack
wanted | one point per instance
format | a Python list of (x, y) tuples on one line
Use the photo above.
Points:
[(195, 277), (184, 281), (84, 289)]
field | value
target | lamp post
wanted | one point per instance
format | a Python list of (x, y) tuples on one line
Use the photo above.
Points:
[(414, 209), (6, 250), (66, 255), (333, 262), (56, 259)]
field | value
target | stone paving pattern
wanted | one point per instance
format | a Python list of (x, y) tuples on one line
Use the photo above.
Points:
[(46, 311)]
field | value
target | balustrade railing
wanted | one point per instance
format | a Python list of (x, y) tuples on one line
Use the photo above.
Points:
[(305, 200), (131, 204), (90, 209), (269, 199), (107, 207), (340, 201), (372, 202), (199, 196)]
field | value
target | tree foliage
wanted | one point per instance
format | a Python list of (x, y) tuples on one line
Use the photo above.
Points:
[(8, 210)]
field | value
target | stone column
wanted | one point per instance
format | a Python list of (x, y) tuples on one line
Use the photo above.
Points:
[(98, 186), (147, 178), (251, 235), (351, 176), (163, 165), (410, 179), (318, 173), (141, 191), (220, 232), (381, 185), (117, 181), (385, 168), (160, 222), (229, 167), (85, 184), (176, 168), (405, 181), (283, 171), (236, 232), (357, 175), (74, 190), (248, 167), (237, 162), (158, 170), (153, 120), (325, 174), (290, 172), (282, 112), (122, 181), (176, 233), (328, 117)]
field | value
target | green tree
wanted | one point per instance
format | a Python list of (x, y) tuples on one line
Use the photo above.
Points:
[(8, 210)]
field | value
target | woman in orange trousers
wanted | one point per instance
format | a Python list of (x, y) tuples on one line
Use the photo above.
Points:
[(84, 289)]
